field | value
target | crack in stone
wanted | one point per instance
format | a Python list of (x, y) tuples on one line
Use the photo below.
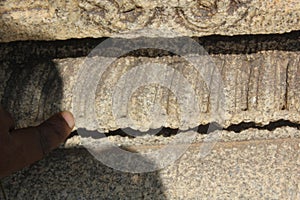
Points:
[(22, 51), (40, 55), (209, 128)]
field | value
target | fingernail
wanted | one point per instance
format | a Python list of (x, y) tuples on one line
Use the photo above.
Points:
[(68, 118)]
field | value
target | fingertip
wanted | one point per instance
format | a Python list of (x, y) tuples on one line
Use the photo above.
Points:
[(69, 118)]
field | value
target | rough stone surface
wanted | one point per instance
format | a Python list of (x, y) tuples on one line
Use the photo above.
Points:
[(259, 87), (257, 165), (51, 20), (259, 77)]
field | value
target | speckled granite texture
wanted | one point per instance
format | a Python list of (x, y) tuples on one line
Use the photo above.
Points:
[(253, 164), (60, 19), (260, 75), (259, 81)]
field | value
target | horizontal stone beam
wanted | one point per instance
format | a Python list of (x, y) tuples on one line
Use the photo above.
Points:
[(258, 87), (56, 20), (253, 164)]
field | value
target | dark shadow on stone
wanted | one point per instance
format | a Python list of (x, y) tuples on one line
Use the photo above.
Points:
[(270, 127), (32, 91), (76, 174), (32, 88), (31, 84), (214, 44)]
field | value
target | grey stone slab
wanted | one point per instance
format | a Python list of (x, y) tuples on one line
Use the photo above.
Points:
[(264, 165)]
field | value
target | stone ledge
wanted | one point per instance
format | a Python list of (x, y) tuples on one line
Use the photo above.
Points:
[(266, 166), (58, 20), (259, 87)]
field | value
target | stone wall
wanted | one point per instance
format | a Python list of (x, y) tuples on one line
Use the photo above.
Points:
[(250, 50)]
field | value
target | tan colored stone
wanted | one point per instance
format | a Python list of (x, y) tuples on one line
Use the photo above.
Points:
[(259, 87), (53, 20)]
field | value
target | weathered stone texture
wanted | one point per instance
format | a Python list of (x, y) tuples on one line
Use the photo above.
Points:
[(253, 168), (259, 87), (52, 20)]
